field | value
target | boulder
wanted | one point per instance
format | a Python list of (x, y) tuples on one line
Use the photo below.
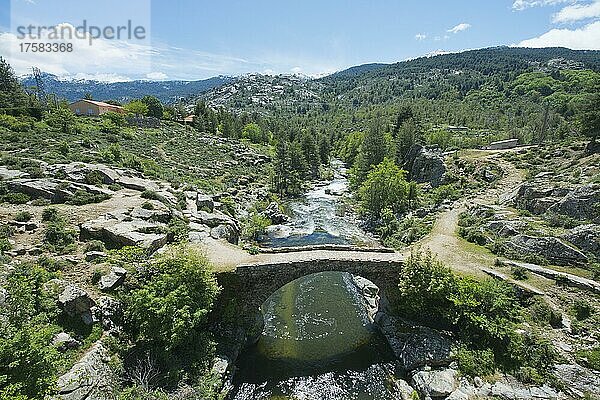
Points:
[(403, 389), (578, 380), (228, 232), (205, 202), (139, 184), (586, 237), (91, 256), (211, 219), (109, 312), (91, 378), (582, 203), (159, 213), (75, 302), (535, 196), (274, 214), (112, 280), (116, 231), (8, 174), (510, 391), (505, 228), (55, 190), (552, 249), (65, 342), (77, 172), (436, 383), (369, 295), (425, 164)]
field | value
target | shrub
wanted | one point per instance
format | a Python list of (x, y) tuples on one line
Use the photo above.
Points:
[(58, 237), (476, 362), (171, 306), (16, 198), (5, 245), (82, 197), (50, 214), (148, 206), (94, 178), (520, 273), (255, 227), (543, 314), (23, 216), (582, 309), (95, 245), (591, 357)]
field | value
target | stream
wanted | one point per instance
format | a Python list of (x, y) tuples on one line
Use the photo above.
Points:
[(317, 343), (321, 216)]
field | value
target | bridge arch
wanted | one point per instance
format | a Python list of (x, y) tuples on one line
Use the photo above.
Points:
[(252, 284)]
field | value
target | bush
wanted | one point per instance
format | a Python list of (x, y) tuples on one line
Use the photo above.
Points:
[(95, 245), (94, 178), (543, 314), (582, 309), (58, 237), (23, 216), (29, 362), (16, 198), (5, 245), (255, 227), (476, 362), (169, 309), (50, 214), (591, 357), (520, 273), (82, 197)]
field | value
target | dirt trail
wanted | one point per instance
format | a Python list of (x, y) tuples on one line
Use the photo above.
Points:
[(443, 239)]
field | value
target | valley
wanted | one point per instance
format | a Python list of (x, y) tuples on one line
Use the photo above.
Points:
[(346, 237)]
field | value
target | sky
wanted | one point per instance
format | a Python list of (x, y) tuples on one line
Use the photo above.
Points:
[(199, 39)]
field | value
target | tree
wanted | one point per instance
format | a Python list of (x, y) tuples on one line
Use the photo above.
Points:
[(374, 148), (62, 118), (311, 154), (88, 96), (155, 107), (13, 99), (385, 187), (169, 309), (589, 116), (136, 107), (254, 133)]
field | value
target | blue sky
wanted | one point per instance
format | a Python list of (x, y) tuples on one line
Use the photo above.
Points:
[(198, 39)]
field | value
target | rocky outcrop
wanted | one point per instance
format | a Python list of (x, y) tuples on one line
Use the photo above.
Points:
[(586, 237), (508, 391), (8, 174), (65, 342), (582, 203), (55, 190), (578, 380), (425, 164), (415, 346), (275, 215), (540, 196), (116, 233), (552, 249), (91, 378), (109, 311), (80, 172), (505, 228), (435, 383), (73, 300), (113, 279)]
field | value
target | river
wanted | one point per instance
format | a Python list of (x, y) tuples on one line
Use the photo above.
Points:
[(321, 216), (317, 343)]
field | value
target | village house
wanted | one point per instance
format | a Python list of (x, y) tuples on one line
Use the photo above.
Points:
[(93, 108)]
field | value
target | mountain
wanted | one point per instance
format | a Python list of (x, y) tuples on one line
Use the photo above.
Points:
[(429, 77), (166, 91)]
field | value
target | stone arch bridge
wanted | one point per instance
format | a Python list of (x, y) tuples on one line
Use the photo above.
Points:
[(249, 285)]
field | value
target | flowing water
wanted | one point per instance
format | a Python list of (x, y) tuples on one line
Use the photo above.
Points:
[(317, 343), (321, 217)]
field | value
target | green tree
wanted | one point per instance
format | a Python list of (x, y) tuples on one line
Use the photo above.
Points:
[(311, 154), (136, 107), (385, 187), (61, 118), (13, 99), (254, 133), (170, 308), (589, 116), (155, 107)]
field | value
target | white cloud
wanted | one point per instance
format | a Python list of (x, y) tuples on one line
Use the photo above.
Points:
[(459, 28), (585, 38), (296, 70), (577, 12), (519, 5), (157, 76), (420, 36)]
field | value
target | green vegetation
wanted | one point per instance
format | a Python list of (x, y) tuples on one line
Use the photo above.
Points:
[(58, 236), (483, 314)]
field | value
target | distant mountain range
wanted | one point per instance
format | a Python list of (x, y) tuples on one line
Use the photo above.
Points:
[(167, 91), (267, 93)]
